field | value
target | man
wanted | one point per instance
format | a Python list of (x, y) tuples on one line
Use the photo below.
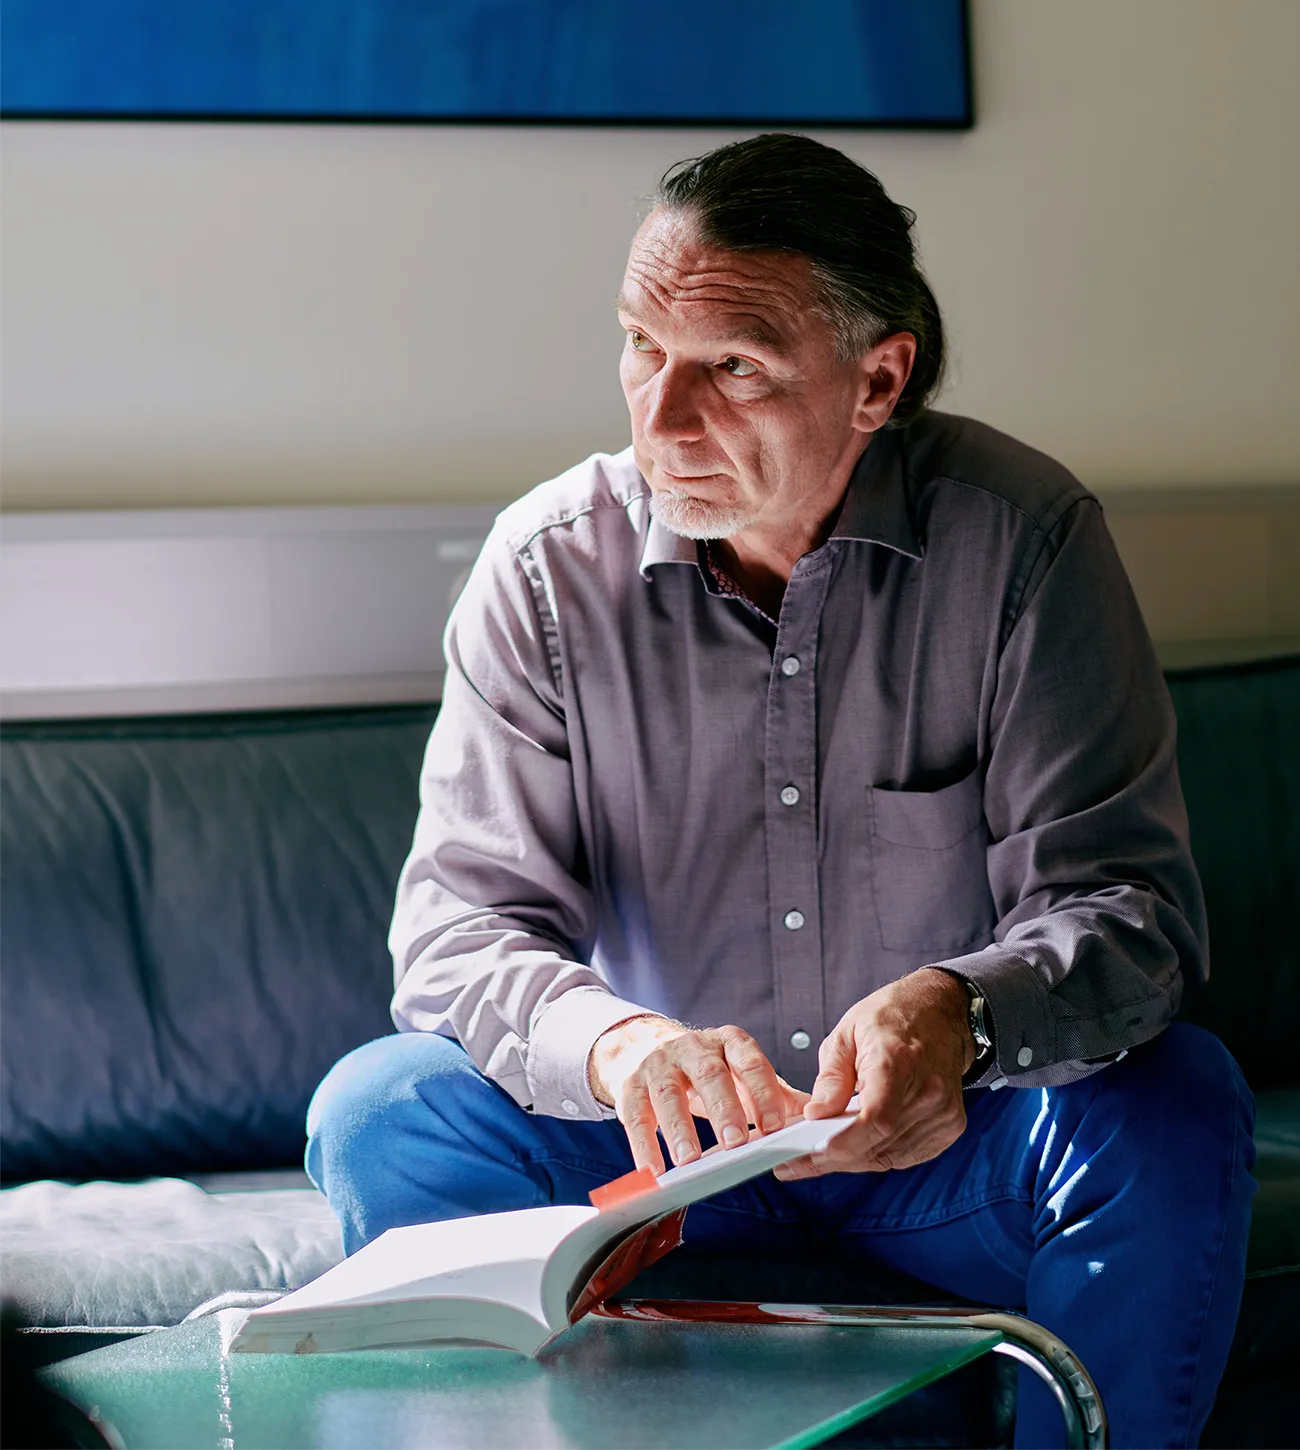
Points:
[(830, 725)]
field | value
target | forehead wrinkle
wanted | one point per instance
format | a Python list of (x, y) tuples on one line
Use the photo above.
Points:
[(684, 286), (710, 283), (671, 245), (744, 327)]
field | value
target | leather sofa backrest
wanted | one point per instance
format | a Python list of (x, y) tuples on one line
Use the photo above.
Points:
[(193, 930), (194, 915), (1239, 759)]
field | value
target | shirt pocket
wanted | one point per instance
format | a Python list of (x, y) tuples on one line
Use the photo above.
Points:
[(928, 868)]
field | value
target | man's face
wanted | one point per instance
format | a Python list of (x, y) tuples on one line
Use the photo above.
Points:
[(742, 414)]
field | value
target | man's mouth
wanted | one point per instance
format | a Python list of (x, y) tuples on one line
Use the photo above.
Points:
[(688, 477)]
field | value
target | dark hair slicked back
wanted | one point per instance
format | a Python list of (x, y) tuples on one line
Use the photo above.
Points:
[(780, 192)]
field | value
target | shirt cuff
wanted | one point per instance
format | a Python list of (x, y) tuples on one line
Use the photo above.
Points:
[(1016, 1010), (560, 1044)]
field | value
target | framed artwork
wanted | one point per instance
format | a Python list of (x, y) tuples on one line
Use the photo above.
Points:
[(806, 63)]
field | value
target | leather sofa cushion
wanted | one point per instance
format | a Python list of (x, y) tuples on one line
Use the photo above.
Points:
[(106, 1255)]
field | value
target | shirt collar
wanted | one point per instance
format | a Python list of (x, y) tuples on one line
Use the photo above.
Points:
[(662, 546), (874, 510), (875, 504)]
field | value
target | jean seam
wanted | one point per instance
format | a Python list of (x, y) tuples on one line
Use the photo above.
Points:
[(513, 1157), (793, 1219), (574, 1161), (881, 1224)]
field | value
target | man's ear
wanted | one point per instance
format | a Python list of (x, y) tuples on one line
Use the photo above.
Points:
[(883, 374)]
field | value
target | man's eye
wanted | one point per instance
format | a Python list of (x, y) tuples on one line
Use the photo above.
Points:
[(739, 367), (639, 341)]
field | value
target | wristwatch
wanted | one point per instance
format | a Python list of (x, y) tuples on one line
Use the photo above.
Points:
[(978, 1030)]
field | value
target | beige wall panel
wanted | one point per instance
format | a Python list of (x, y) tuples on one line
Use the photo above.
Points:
[(1201, 575), (209, 315), (1213, 567), (1284, 576)]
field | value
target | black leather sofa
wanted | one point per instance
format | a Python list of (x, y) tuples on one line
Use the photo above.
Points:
[(192, 932)]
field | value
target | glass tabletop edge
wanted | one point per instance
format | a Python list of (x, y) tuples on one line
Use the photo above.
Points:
[(817, 1434)]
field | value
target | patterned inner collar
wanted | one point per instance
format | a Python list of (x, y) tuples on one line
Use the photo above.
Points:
[(728, 586)]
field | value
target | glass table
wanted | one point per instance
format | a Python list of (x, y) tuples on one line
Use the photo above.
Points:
[(633, 1374)]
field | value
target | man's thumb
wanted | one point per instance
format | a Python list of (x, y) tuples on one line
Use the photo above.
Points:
[(835, 1082)]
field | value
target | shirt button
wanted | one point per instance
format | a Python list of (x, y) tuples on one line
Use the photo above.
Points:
[(790, 795), (794, 920), (1025, 1056), (789, 665), (800, 1040), (571, 1107)]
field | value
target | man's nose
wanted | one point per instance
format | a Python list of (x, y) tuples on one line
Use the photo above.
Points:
[(672, 406)]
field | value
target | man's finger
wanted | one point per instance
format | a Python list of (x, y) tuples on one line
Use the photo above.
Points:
[(668, 1087), (806, 1167), (847, 1151), (886, 1136), (877, 1122), (704, 1063), (752, 1070), (852, 1151), (884, 1114), (918, 1146), (639, 1123), (747, 1104), (793, 1101), (922, 1141)]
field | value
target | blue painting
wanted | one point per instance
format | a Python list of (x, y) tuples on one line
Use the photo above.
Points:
[(766, 62)]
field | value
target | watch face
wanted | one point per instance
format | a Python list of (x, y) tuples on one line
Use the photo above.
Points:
[(976, 1020)]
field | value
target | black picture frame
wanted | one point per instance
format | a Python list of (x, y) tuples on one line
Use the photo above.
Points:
[(905, 65)]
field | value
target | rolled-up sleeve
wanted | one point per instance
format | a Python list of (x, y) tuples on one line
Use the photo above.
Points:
[(1100, 917), (493, 919)]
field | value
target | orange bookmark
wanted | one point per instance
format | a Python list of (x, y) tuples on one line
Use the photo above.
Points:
[(631, 1185)]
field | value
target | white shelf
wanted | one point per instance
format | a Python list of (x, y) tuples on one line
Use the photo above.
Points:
[(175, 611)]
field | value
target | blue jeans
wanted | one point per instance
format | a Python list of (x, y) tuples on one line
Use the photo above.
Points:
[(1114, 1211)]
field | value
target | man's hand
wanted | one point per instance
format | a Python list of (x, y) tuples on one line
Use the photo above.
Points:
[(658, 1074), (904, 1050)]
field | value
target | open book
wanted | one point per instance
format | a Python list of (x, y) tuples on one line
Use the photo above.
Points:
[(511, 1279)]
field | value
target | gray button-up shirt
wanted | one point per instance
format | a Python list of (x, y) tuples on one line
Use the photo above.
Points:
[(954, 748)]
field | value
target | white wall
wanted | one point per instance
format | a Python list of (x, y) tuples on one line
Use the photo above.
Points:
[(239, 314)]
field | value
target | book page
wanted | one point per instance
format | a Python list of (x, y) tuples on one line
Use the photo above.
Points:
[(436, 1258), (677, 1188), (730, 1166), (532, 1259)]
